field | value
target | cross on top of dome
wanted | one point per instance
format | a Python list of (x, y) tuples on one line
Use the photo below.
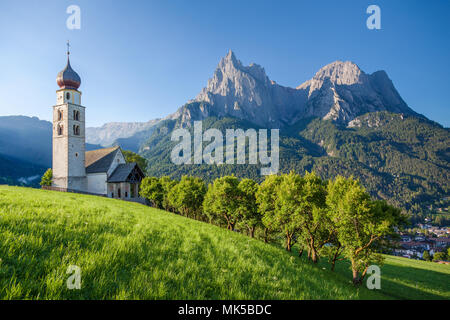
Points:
[(68, 78)]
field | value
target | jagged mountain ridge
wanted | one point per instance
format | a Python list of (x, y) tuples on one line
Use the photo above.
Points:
[(340, 91)]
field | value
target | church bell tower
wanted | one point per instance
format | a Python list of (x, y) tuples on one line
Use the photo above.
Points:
[(69, 132)]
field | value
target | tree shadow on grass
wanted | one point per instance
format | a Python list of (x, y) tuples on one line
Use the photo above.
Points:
[(259, 273), (402, 282)]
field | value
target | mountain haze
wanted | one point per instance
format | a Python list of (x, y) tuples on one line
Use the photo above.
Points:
[(107, 134), (26, 149)]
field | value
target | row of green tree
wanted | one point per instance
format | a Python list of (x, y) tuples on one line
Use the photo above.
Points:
[(334, 219)]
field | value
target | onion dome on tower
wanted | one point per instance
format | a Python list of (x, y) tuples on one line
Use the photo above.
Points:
[(68, 78)]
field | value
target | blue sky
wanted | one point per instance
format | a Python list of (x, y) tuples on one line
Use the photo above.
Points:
[(140, 60)]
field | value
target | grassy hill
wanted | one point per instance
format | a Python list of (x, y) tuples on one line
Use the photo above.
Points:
[(129, 251)]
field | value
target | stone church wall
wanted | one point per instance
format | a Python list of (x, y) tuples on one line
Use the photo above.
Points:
[(96, 183)]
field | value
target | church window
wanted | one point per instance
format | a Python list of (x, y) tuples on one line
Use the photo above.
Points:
[(60, 130), (76, 154), (76, 115), (67, 96), (60, 115)]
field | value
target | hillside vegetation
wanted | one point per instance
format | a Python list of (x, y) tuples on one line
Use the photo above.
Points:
[(402, 159), (127, 250)]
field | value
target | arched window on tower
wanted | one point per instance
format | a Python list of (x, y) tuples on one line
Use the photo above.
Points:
[(60, 130), (60, 115), (76, 115), (76, 130)]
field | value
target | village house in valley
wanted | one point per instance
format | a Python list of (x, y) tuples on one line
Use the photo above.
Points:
[(102, 172)]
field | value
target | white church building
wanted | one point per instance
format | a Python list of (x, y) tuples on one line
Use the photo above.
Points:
[(101, 172)]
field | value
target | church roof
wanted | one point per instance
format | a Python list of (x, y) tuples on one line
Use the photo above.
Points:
[(100, 160), (124, 173)]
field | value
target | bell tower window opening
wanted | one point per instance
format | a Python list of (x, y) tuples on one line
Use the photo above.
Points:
[(67, 95), (60, 115), (76, 130), (76, 115), (60, 130)]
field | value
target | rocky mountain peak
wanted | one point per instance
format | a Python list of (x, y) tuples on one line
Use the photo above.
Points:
[(341, 73), (230, 66), (237, 90), (336, 73), (340, 91), (229, 62)]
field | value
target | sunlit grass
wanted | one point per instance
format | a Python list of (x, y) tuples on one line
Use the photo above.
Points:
[(130, 251)]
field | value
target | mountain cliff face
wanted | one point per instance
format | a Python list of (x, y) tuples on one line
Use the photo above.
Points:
[(340, 91), (245, 92)]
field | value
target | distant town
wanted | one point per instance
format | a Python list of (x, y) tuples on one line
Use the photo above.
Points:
[(423, 242)]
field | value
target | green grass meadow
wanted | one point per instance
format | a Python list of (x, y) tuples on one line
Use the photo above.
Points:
[(130, 251)]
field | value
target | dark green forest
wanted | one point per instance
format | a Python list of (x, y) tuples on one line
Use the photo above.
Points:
[(401, 159)]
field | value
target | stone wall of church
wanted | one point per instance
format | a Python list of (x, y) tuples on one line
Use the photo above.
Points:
[(96, 183), (77, 183)]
